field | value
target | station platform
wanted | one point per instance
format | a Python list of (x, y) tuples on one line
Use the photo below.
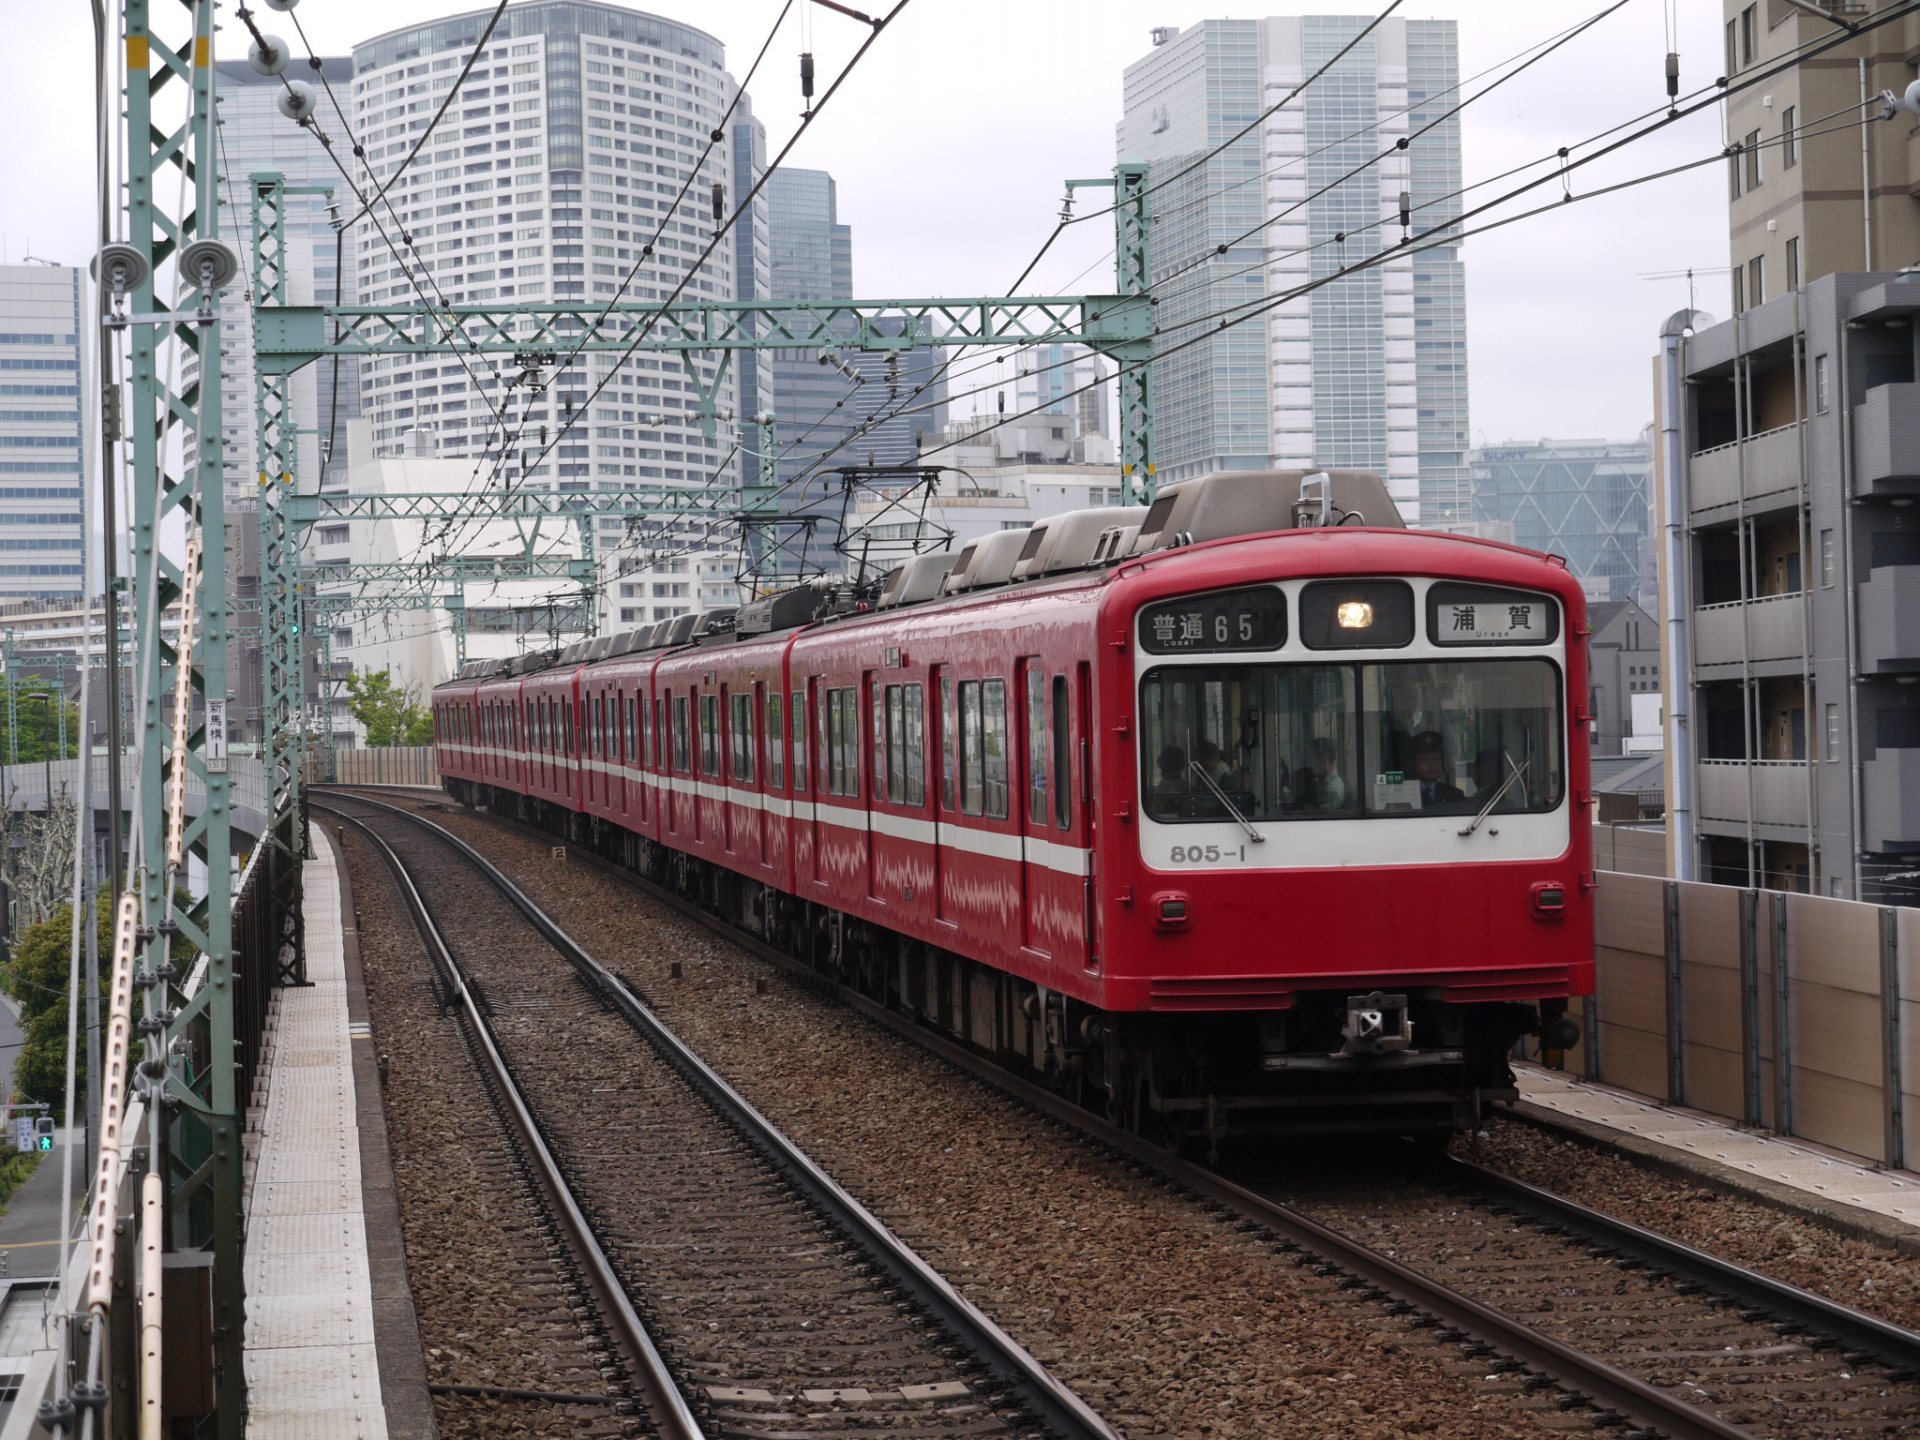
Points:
[(1876, 1203), (331, 1344)]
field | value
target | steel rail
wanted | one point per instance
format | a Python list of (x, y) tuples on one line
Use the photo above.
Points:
[(1852, 1328), (1604, 1385), (670, 1412), (1044, 1395)]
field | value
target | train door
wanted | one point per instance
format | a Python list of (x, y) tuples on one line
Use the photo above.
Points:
[(1033, 797), (946, 742), (816, 718), (1082, 833), (876, 732), (761, 740)]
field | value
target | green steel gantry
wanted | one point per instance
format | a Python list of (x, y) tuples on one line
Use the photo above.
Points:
[(190, 1075)]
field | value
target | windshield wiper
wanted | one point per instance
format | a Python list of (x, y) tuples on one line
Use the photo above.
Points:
[(1221, 796), (1515, 772)]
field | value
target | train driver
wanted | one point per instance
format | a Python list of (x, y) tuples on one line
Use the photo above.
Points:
[(1430, 769), (1328, 790), (1171, 786)]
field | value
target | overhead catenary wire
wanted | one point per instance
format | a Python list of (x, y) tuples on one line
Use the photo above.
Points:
[(1228, 318), (1520, 61)]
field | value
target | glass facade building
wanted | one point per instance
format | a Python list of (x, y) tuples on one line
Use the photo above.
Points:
[(577, 128), (825, 416), (44, 444), (1584, 499), (1369, 370)]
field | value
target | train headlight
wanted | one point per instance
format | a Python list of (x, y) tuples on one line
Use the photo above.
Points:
[(1354, 615)]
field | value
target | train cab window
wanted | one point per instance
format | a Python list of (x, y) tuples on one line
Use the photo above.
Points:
[(1037, 744), (709, 734), (1062, 755), (1353, 741), (799, 742), (740, 738), (682, 736), (776, 732)]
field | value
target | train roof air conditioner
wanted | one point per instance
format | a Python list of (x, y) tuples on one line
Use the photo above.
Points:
[(1253, 502)]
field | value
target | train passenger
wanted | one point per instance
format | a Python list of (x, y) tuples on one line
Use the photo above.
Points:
[(1207, 755), (1327, 788), (1430, 769)]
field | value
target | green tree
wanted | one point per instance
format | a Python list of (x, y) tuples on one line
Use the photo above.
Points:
[(390, 713), (38, 980), (39, 737)]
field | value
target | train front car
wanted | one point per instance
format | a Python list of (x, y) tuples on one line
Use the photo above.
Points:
[(1356, 766)]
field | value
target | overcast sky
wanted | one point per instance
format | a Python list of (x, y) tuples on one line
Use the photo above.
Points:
[(951, 140)]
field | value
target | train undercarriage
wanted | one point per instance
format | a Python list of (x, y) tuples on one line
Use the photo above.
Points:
[(1363, 1059)]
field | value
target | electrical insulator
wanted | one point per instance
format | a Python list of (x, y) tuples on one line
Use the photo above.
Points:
[(806, 77), (110, 413), (1406, 213), (719, 201), (1673, 75)]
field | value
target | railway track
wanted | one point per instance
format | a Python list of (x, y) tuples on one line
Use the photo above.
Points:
[(755, 1296), (1631, 1327)]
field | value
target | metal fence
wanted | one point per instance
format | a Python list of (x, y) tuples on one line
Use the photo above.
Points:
[(1796, 1013), (396, 766)]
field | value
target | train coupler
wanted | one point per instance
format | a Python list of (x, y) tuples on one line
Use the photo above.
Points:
[(1377, 1024)]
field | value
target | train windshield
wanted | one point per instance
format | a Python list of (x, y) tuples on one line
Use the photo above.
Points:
[(1351, 741)]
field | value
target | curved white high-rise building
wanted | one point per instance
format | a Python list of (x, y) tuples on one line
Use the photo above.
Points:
[(555, 165)]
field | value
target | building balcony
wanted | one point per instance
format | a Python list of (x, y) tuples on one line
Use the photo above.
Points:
[(1768, 462), (1886, 440), (1890, 619), (1772, 628), (1891, 817), (1765, 792)]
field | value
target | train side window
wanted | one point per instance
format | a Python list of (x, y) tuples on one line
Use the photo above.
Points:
[(972, 759), (682, 736), (1062, 755), (915, 725), (843, 741), (949, 742), (776, 744), (709, 734), (633, 730), (993, 705), (799, 723), (880, 766), (1036, 744), (741, 740), (896, 745)]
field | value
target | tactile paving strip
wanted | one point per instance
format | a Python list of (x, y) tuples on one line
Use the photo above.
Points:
[(311, 1366)]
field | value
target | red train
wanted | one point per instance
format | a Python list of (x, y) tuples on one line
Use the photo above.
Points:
[(1261, 813)]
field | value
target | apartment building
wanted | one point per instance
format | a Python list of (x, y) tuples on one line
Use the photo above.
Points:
[(1821, 179), (1787, 478)]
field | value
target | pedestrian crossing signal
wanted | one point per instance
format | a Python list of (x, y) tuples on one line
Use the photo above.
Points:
[(43, 1132)]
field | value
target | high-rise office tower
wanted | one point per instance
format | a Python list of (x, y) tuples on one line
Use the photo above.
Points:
[(254, 137), (553, 168), (44, 444), (1369, 370), (824, 414), (1065, 380)]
